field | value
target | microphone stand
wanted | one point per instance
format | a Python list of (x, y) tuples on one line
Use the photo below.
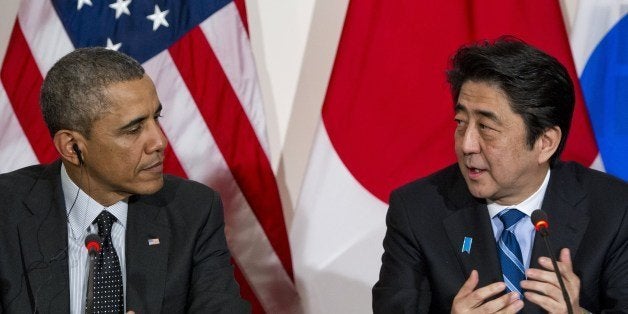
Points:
[(543, 233), (89, 307)]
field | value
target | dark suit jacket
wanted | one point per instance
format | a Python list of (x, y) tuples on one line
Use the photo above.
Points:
[(188, 271), (423, 266)]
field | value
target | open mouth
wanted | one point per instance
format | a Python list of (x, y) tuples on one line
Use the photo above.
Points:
[(475, 173)]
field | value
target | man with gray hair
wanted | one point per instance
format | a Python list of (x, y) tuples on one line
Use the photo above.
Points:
[(103, 230)]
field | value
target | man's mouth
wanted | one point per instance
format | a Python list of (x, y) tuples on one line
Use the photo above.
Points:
[(155, 167), (475, 173)]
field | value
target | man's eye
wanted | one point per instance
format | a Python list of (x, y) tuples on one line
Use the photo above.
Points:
[(136, 129), (484, 127)]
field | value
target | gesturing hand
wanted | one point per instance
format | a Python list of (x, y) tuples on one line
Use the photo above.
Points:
[(471, 300), (544, 289)]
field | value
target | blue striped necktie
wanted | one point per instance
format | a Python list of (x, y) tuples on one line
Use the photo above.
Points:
[(509, 250)]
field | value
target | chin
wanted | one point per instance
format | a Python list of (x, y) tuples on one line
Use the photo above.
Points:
[(150, 187), (479, 192)]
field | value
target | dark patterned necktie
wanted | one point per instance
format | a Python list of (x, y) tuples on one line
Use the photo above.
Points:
[(509, 250), (108, 293)]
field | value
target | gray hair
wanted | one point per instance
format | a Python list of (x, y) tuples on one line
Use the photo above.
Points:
[(72, 96)]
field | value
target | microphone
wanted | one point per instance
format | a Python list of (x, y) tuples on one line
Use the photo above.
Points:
[(92, 244), (539, 219)]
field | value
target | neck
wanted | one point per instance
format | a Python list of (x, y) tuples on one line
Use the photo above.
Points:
[(81, 177), (520, 194)]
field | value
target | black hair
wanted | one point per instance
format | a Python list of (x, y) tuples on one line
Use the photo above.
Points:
[(537, 85)]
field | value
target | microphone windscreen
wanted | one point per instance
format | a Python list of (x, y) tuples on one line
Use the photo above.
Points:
[(92, 242), (539, 220), (538, 216)]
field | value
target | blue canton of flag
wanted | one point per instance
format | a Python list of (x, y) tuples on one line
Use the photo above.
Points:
[(141, 29)]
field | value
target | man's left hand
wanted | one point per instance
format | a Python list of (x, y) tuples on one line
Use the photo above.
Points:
[(543, 288)]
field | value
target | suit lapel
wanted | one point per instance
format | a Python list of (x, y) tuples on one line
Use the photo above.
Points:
[(44, 243), (146, 265), (474, 222), (567, 222), (470, 219)]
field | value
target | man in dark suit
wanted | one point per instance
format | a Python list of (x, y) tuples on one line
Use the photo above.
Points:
[(162, 237), (461, 240)]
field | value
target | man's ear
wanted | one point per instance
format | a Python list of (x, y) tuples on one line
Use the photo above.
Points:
[(548, 143), (70, 145)]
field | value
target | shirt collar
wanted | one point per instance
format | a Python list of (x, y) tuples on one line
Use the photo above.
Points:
[(81, 210), (529, 205)]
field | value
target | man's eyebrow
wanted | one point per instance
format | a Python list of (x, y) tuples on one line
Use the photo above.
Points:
[(459, 107), (139, 120), (488, 114), (133, 122), (485, 113)]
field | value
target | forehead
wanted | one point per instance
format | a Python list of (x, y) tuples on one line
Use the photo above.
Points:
[(483, 97), (125, 102), (131, 97)]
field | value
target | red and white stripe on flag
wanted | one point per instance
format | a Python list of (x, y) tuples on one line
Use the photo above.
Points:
[(213, 119), (388, 119)]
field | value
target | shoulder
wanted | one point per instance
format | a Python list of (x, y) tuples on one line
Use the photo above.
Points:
[(182, 197), (22, 178), (19, 183), (593, 182), (431, 198), (30, 182), (436, 185), (183, 188)]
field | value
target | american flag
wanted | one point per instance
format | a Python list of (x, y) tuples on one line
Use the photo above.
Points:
[(199, 57)]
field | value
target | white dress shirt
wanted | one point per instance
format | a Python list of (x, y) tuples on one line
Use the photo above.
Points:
[(81, 211), (524, 229)]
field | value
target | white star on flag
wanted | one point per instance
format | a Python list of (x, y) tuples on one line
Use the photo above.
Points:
[(112, 46), (158, 18), (80, 3), (121, 6)]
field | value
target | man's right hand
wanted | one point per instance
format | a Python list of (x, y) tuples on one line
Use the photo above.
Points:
[(470, 300)]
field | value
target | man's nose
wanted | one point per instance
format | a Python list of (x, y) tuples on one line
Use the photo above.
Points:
[(470, 141), (158, 141)]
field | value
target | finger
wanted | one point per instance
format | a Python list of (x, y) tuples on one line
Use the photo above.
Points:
[(564, 262), (565, 258), (461, 304), (547, 276), (479, 296), (565, 265), (500, 303), (542, 288), (468, 298), (468, 285), (548, 304), (513, 307), (546, 263)]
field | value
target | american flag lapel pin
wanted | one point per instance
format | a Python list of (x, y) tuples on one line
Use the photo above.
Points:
[(154, 241)]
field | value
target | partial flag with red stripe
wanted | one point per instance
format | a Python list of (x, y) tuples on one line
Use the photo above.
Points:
[(198, 54)]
